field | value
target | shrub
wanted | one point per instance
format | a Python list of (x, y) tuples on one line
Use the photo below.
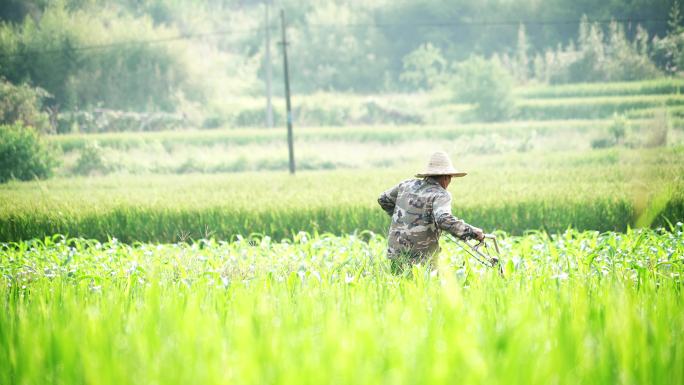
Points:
[(91, 161), (23, 154), (603, 142), (486, 84), (106, 120), (618, 128), (658, 128), (23, 104)]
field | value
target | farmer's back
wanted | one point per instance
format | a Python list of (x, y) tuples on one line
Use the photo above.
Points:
[(414, 228), (421, 210)]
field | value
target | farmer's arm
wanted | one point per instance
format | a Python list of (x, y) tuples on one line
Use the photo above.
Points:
[(388, 199), (441, 209)]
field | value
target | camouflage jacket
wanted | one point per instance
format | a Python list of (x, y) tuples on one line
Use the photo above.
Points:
[(420, 210)]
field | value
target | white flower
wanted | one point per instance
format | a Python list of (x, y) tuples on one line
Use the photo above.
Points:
[(348, 278)]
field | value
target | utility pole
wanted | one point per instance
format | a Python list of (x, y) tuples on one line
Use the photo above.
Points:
[(267, 66), (286, 71)]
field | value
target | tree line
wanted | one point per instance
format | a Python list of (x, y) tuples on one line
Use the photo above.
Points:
[(368, 47)]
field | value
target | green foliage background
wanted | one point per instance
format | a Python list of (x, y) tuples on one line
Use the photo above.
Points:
[(335, 46)]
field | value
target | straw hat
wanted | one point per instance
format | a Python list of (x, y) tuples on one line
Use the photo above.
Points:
[(440, 164)]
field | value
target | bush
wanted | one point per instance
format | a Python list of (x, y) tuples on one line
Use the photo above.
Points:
[(618, 128), (105, 120), (23, 155), (658, 128), (91, 161), (486, 84), (23, 104), (603, 142)]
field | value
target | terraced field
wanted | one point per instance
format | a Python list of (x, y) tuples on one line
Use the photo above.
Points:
[(569, 118), (534, 102)]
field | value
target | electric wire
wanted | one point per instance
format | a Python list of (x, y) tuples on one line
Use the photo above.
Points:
[(190, 36)]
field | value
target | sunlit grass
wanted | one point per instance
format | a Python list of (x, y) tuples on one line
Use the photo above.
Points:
[(599, 190), (574, 308)]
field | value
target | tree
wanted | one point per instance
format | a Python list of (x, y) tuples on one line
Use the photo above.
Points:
[(625, 60), (674, 21), (668, 52), (122, 76), (487, 85), (333, 58), (614, 58), (424, 67), (592, 54), (522, 63)]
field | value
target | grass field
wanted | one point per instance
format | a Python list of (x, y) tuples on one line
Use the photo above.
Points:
[(575, 308), (438, 107), (598, 190), (593, 107), (533, 102), (648, 87), (379, 134), (327, 148), (191, 257)]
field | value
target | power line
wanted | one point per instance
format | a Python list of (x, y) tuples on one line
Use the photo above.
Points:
[(188, 36), (492, 23), (183, 36)]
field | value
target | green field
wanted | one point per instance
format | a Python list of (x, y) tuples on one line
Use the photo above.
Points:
[(153, 230), (596, 101), (379, 134), (574, 308), (593, 107), (330, 134), (191, 256), (648, 87), (535, 102), (597, 190), (375, 134)]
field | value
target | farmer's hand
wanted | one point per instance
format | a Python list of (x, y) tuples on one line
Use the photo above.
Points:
[(478, 233)]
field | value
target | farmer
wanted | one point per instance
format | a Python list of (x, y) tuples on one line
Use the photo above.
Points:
[(420, 210)]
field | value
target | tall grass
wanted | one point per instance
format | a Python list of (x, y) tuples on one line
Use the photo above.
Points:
[(602, 190), (592, 107), (572, 308), (648, 87)]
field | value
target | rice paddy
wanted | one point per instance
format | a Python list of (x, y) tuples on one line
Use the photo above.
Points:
[(192, 258), (599, 190), (577, 307)]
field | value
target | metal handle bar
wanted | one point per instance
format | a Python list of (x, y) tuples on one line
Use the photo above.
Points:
[(483, 243), (484, 258)]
